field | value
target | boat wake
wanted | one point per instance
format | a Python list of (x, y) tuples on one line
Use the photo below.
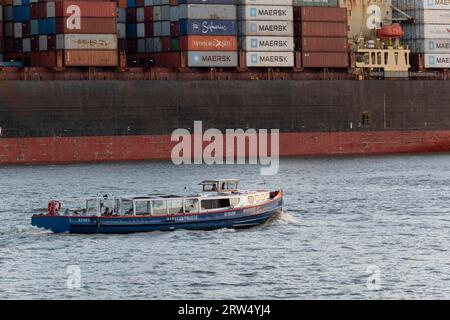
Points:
[(29, 230), (285, 218)]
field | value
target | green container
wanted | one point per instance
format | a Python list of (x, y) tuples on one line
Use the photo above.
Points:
[(174, 44)]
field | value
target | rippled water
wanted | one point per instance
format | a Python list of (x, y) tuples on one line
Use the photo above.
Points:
[(342, 216)]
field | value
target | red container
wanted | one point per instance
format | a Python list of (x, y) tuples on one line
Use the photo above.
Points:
[(34, 10), (131, 15), (320, 14), (42, 10), (166, 44), (140, 3), (325, 60), (167, 59), (149, 29), (322, 44), (47, 59), (321, 29), (34, 43), (174, 29), (95, 9), (88, 25), (148, 14)]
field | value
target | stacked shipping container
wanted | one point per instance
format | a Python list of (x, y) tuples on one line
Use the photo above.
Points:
[(208, 50), (430, 34), (121, 18), (266, 33), (1, 32), (193, 33), (177, 33), (62, 33), (321, 35)]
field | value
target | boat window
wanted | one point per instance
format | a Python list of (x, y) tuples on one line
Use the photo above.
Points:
[(159, 207), (215, 204), (91, 206), (251, 199), (257, 198), (263, 197), (210, 187), (126, 207), (234, 201), (231, 186), (175, 206), (142, 207), (190, 205)]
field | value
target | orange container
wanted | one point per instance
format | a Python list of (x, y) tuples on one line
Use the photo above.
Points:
[(91, 58), (208, 43)]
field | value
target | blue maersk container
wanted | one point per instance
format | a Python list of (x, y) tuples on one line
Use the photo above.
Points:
[(208, 27)]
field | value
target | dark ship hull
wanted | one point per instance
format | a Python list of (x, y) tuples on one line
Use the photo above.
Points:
[(93, 121)]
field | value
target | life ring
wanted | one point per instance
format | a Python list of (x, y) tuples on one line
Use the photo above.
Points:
[(54, 207)]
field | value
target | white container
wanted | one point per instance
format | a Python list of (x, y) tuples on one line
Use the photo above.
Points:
[(90, 41), (421, 4), (50, 10), (121, 31), (26, 45), (267, 44), (427, 31), (18, 30), (207, 11), (429, 45), (437, 61), (266, 28), (43, 43), (267, 13), (211, 59), (270, 59), (431, 16)]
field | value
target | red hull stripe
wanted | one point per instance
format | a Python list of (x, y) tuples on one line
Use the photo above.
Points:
[(158, 147)]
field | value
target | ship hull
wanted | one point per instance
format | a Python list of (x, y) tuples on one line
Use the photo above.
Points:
[(65, 150), (94, 121)]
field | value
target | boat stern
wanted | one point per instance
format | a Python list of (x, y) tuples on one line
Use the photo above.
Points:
[(53, 223)]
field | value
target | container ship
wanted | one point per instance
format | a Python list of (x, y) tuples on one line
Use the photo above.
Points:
[(92, 81)]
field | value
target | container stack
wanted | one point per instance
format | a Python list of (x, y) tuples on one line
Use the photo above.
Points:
[(266, 33), (184, 33), (219, 47), (142, 16), (121, 15), (62, 33), (2, 43), (321, 36), (429, 36)]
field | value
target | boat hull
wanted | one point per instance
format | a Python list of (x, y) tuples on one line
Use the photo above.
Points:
[(241, 218)]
